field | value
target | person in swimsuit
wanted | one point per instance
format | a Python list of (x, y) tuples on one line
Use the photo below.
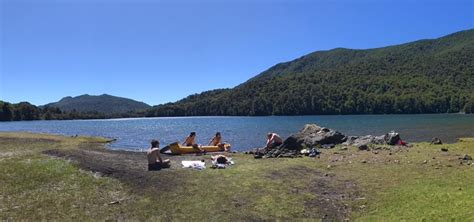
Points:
[(273, 141), (191, 141), (154, 159), (217, 141)]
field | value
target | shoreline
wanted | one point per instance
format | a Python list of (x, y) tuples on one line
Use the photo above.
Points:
[(213, 116), (110, 141)]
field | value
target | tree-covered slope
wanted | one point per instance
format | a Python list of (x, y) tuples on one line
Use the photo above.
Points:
[(102, 104), (426, 76)]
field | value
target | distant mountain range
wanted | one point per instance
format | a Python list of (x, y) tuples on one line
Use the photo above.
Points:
[(102, 104), (426, 76)]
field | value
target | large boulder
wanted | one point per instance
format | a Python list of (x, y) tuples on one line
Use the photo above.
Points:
[(391, 138), (364, 140), (436, 141), (310, 136)]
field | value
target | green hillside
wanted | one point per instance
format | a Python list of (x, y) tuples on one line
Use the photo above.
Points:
[(80, 107), (426, 76), (102, 104)]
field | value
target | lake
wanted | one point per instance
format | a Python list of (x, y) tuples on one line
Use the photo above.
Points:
[(248, 132)]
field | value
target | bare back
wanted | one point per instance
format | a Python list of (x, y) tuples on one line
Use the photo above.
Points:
[(153, 155), (216, 141), (190, 141)]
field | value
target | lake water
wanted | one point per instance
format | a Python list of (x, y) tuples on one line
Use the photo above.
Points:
[(248, 132)]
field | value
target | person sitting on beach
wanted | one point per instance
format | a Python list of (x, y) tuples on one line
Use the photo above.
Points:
[(273, 140), (191, 141), (217, 141), (154, 159)]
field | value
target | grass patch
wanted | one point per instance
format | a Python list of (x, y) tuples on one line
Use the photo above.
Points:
[(420, 183), (390, 184), (41, 188)]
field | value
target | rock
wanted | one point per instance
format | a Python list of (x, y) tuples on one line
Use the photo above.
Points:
[(314, 152), (363, 147), (310, 136), (392, 138), (436, 141), (466, 157), (350, 140), (344, 148), (310, 128), (425, 162), (379, 139), (328, 146), (313, 135), (293, 142), (254, 151), (364, 161), (288, 155), (364, 140), (444, 149), (258, 156)]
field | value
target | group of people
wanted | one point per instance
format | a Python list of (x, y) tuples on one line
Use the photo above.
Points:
[(215, 141), (155, 162)]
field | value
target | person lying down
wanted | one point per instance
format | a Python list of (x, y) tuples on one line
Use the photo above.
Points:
[(221, 161)]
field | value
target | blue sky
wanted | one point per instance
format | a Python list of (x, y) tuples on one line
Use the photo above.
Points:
[(162, 51)]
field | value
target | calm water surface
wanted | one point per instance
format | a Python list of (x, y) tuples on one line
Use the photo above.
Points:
[(248, 132)]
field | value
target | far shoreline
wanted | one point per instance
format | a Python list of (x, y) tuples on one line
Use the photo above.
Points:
[(190, 117)]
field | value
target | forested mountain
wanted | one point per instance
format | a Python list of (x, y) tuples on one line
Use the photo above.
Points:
[(27, 111), (426, 76), (81, 107), (106, 104)]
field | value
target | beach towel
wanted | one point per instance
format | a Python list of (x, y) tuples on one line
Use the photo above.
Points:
[(199, 165)]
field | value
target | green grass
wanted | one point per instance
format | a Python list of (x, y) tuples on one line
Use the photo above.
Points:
[(395, 187), (440, 189), (244, 191), (35, 186)]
